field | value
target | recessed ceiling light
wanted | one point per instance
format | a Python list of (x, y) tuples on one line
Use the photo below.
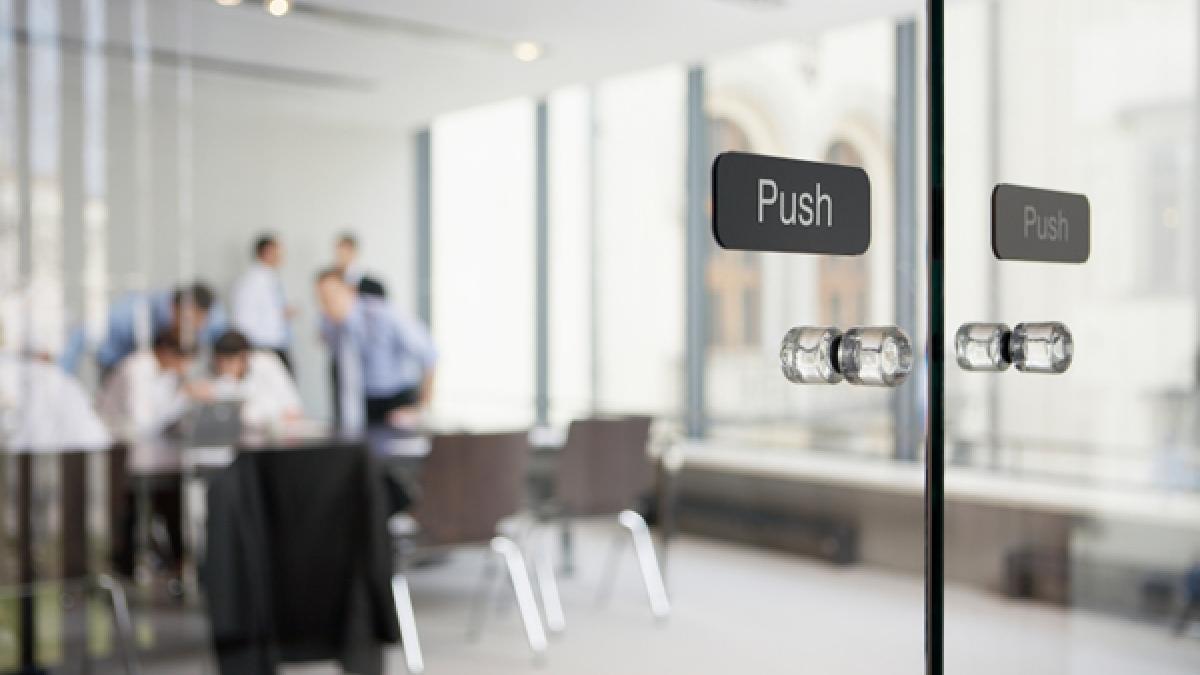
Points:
[(279, 7), (229, 3), (527, 51)]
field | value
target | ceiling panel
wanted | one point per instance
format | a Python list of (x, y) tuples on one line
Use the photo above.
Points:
[(398, 63)]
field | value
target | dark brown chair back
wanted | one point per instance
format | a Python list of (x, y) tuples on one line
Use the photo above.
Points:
[(469, 483), (603, 468)]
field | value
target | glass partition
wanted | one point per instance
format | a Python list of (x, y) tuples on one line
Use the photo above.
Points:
[(1073, 496), (531, 186)]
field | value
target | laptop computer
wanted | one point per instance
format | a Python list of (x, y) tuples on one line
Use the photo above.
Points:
[(216, 424)]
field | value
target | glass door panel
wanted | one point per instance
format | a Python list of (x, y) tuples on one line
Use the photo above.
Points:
[(1073, 499)]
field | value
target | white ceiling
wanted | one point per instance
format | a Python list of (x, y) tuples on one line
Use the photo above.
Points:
[(400, 62)]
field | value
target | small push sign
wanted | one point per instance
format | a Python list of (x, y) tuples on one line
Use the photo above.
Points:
[(763, 203), (1040, 225)]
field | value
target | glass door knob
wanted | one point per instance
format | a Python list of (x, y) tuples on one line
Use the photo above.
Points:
[(875, 356), (880, 356), (808, 355), (982, 347), (1045, 347)]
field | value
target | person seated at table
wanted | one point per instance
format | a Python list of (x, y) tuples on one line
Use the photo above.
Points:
[(142, 400), (191, 312), (258, 378), (147, 393), (44, 409), (385, 357)]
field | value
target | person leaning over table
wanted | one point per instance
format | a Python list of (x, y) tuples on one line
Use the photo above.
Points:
[(190, 311), (385, 357), (142, 401), (147, 394), (257, 378), (345, 256)]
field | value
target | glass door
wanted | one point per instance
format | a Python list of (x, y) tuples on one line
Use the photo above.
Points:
[(1072, 393)]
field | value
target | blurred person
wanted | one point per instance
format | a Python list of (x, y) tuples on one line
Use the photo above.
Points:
[(45, 409), (257, 378), (385, 357), (190, 312), (345, 257), (260, 308), (42, 408), (146, 395), (142, 401)]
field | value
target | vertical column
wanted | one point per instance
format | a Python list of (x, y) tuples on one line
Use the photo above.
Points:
[(184, 138), (541, 387), (424, 196), (935, 467), (1196, 197), (696, 240), (904, 398), (10, 142), (44, 312), (143, 129), (593, 216), (95, 167), (995, 159), (21, 151), (70, 154)]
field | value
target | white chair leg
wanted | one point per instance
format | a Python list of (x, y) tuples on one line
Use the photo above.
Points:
[(410, 642), (510, 552), (643, 548), (543, 571), (122, 619)]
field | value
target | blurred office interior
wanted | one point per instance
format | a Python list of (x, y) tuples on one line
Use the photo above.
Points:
[(529, 179)]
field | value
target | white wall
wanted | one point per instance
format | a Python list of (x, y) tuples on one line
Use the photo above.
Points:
[(302, 178), (307, 182)]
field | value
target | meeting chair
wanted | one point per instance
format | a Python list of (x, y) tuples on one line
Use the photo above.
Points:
[(603, 470), (298, 562), (74, 576), (469, 486)]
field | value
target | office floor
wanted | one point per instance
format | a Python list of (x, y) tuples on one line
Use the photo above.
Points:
[(741, 610)]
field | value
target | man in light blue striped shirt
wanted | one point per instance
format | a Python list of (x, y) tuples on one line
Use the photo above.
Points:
[(385, 357)]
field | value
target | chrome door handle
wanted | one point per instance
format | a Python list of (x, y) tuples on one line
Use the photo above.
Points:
[(1043, 347), (872, 355)]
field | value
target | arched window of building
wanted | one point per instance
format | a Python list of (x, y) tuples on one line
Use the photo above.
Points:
[(734, 278), (843, 282)]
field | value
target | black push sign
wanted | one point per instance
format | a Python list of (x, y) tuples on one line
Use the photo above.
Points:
[(1041, 225), (763, 203)]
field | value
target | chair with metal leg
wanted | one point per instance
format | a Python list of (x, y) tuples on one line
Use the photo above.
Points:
[(468, 485), (122, 619), (604, 470), (414, 658), (74, 577)]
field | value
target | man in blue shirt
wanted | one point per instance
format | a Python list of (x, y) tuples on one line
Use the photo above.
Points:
[(190, 311), (260, 308), (385, 357)]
